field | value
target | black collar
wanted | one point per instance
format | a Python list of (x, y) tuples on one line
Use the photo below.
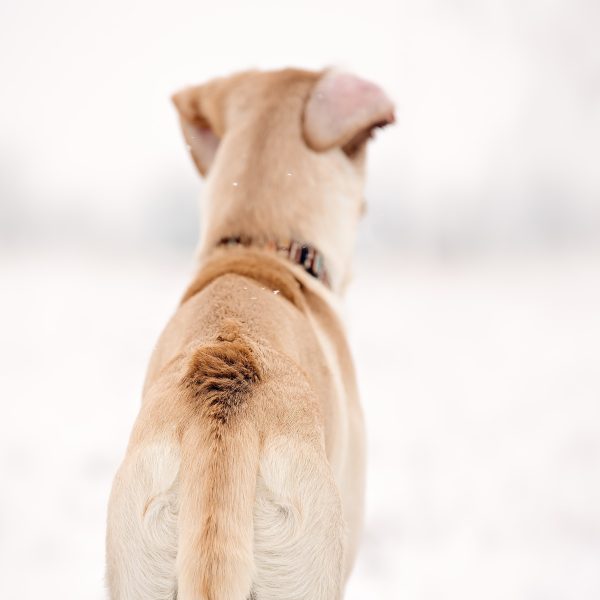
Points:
[(305, 255)]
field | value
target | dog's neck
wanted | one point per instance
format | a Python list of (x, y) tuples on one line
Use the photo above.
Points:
[(278, 193)]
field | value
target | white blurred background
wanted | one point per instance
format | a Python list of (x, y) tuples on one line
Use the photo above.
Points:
[(475, 312)]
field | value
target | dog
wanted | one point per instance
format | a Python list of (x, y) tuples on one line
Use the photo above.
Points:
[(244, 474)]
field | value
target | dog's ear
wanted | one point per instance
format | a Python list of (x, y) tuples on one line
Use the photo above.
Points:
[(342, 110), (202, 134)]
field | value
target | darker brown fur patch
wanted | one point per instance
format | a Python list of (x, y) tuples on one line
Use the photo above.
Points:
[(221, 375)]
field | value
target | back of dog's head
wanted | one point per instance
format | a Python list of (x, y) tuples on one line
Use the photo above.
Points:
[(327, 110), (283, 152)]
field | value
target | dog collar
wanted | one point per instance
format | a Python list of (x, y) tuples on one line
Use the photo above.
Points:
[(305, 255)]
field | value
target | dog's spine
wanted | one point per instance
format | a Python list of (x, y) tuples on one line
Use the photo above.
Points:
[(219, 466)]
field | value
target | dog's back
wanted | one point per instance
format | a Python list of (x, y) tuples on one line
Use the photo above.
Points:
[(226, 400)]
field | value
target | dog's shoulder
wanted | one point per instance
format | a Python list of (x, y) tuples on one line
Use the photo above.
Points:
[(261, 267)]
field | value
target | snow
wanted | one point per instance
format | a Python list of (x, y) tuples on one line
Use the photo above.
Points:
[(481, 390)]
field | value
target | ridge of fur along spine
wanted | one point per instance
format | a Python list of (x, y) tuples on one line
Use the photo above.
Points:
[(220, 457)]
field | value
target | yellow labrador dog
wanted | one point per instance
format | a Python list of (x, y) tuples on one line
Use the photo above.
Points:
[(244, 474)]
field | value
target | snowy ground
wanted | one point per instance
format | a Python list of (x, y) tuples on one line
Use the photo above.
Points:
[(481, 387)]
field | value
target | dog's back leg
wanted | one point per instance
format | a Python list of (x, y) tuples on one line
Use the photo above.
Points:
[(298, 524), (142, 525)]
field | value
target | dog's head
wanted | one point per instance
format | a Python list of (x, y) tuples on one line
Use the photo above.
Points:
[(284, 154)]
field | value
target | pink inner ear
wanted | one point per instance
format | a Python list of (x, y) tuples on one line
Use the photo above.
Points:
[(203, 144), (340, 107)]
